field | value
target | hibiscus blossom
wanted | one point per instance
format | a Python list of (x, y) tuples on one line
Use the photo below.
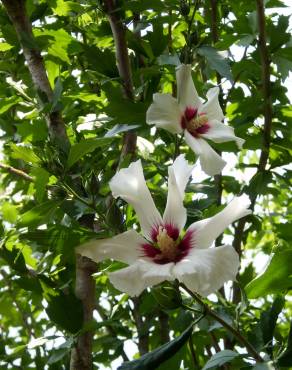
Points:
[(165, 251), (196, 120)]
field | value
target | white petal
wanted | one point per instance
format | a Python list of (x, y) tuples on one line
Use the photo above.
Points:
[(206, 270), (178, 175), (220, 133), (212, 107), (211, 162), (182, 172), (186, 91), (124, 247), (204, 232), (129, 184), (142, 274), (165, 113)]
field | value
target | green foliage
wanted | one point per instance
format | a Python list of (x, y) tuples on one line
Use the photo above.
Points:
[(275, 279), (153, 359), (58, 198), (220, 358)]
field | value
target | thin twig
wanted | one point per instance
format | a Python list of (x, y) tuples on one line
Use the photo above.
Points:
[(122, 57), (193, 352), (251, 350), (16, 10), (16, 171)]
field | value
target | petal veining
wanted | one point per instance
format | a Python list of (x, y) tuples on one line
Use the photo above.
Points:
[(186, 91), (220, 133), (211, 162), (206, 231), (165, 113), (129, 184), (125, 247), (206, 270), (178, 176), (212, 107), (140, 275)]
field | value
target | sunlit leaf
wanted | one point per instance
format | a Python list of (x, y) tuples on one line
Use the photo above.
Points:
[(220, 358), (276, 278)]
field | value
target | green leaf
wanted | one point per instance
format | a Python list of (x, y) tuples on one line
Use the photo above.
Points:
[(64, 8), (14, 259), (85, 146), (259, 183), (38, 215), (66, 311), (7, 103), (216, 61), (9, 212), (268, 321), (220, 358), (41, 179), (24, 153), (117, 129), (167, 296), (151, 360), (57, 355), (285, 359), (170, 59), (4, 46), (275, 279), (57, 94)]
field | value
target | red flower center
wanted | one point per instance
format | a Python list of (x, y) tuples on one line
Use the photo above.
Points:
[(196, 123), (166, 245)]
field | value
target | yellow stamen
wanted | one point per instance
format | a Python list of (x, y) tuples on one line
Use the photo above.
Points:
[(196, 122)]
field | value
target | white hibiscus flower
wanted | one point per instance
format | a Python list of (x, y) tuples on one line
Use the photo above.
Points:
[(196, 120), (165, 251)]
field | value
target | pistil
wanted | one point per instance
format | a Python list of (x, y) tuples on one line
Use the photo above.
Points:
[(166, 245)]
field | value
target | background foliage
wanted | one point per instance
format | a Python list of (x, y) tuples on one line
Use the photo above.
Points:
[(55, 196)]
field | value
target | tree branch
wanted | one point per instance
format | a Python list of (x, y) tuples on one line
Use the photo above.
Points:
[(16, 171), (268, 115), (81, 357), (16, 10), (143, 334), (122, 57)]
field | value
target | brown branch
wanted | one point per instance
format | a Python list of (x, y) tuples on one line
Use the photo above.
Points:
[(123, 61), (241, 339), (164, 327), (16, 10), (143, 334), (81, 354), (16, 171), (268, 115), (81, 357)]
